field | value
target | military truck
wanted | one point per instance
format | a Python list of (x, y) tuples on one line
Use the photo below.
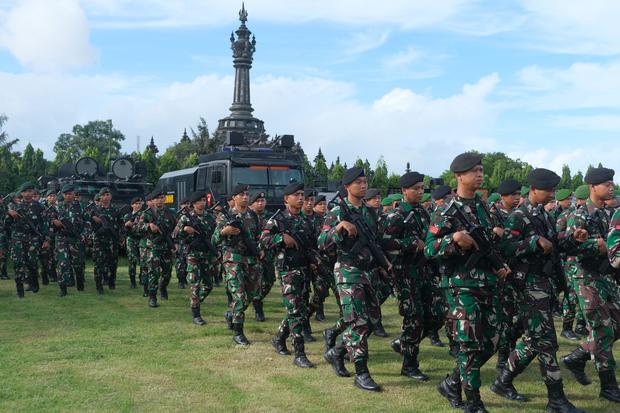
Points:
[(267, 168)]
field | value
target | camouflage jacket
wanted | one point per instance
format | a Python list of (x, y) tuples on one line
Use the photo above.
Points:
[(233, 248), (272, 240), (33, 226), (72, 219), (596, 222), (500, 213), (134, 217), (400, 237), (613, 240), (355, 260), (440, 244), (206, 225), (316, 221), (109, 229), (165, 221)]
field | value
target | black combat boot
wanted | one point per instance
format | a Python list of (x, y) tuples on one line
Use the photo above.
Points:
[(320, 313), (63, 290), (363, 380), (44, 278), (99, 286), (79, 281), (53, 275), (335, 357), (4, 276), (450, 388), (153, 300), (196, 317), (330, 335), (473, 404), (300, 359), (558, 403), (581, 328), (132, 281), (502, 357), (307, 332), (575, 362), (279, 343), (435, 340), (145, 292), (411, 367), (239, 337), (182, 283), (34, 286), (112, 281), (567, 331), (228, 317), (503, 386), (258, 310), (379, 330), (395, 345), (163, 293), (20, 289), (609, 386)]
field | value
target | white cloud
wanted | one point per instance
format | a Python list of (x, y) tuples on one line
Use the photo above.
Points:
[(578, 158), (47, 35), (364, 41), (401, 125), (403, 57)]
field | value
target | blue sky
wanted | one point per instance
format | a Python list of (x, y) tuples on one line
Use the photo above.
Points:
[(416, 81)]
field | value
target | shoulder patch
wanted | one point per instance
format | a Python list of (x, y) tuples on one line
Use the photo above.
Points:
[(434, 229)]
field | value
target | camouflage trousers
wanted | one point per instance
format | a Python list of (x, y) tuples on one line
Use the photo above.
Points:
[(105, 257), (570, 302), (382, 286), (48, 262), (292, 284), (411, 309), (539, 339), (599, 300), (510, 327), (24, 254), (157, 267), (200, 271), (434, 305), (133, 256), (360, 313), (4, 252), (242, 282), (181, 261), (267, 279), (473, 313), (320, 289), (67, 257)]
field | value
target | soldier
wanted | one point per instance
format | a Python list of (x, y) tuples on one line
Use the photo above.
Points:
[(473, 304), (529, 239), (131, 241), (235, 236), (587, 229), (48, 265), (28, 236), (353, 273), (563, 198), (291, 263), (67, 222), (427, 203), (442, 195), (386, 205), (195, 227), (106, 224), (258, 203), (404, 229), (373, 199), (182, 250), (4, 237)]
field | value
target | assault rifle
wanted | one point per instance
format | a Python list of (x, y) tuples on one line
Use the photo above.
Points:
[(201, 237), (486, 248), (237, 222), (163, 235)]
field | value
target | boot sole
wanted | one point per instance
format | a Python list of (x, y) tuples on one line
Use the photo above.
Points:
[(373, 389), (495, 390)]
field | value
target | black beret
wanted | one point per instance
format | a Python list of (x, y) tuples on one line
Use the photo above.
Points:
[(25, 186), (352, 174), (465, 161), (156, 193), (319, 198), (256, 197), (597, 176), (441, 192), (51, 192), (239, 188), (310, 192), (185, 200), (371, 193), (509, 186), (228, 198), (542, 178), (197, 196), (67, 188), (97, 197), (293, 187), (147, 197), (410, 179), (342, 191), (135, 199)]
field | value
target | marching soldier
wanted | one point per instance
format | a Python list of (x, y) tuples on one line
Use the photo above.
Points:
[(182, 250), (106, 225), (131, 241), (258, 205), (47, 260)]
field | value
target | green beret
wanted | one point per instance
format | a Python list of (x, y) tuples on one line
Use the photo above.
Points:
[(25, 186), (67, 188), (562, 194), (494, 197), (49, 192), (386, 201), (396, 197), (104, 190), (524, 191), (426, 197), (582, 192)]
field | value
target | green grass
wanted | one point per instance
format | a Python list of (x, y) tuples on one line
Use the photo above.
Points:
[(112, 353)]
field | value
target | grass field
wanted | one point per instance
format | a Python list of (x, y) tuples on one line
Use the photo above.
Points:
[(112, 353)]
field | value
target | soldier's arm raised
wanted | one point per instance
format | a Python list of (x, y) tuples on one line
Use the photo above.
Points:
[(613, 240)]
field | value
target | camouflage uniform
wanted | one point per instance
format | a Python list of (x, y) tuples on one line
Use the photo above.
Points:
[(66, 245), (105, 246), (241, 275), (472, 299), (46, 256), (200, 262), (4, 242), (132, 249), (180, 263), (520, 242), (613, 240)]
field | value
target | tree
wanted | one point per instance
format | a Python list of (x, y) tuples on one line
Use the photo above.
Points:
[(168, 162), (320, 169), (150, 160), (4, 137), (577, 180), (380, 180), (566, 181), (337, 171), (97, 139)]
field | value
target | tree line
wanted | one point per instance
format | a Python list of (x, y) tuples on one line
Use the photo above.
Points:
[(101, 141)]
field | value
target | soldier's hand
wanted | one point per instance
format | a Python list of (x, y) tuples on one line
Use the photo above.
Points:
[(545, 245), (189, 230), (464, 240), (289, 241), (580, 235), (503, 273), (261, 255), (420, 245), (129, 224), (57, 223), (499, 231), (97, 220), (13, 213), (347, 226), (154, 228), (229, 230), (602, 246), (46, 245)]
